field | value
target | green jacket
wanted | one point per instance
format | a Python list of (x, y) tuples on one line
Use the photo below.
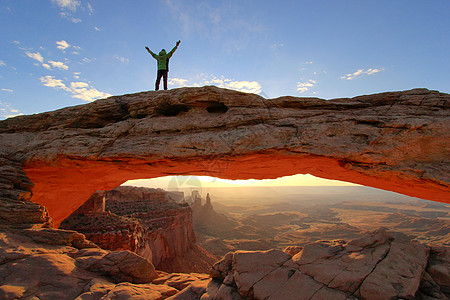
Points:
[(163, 58)]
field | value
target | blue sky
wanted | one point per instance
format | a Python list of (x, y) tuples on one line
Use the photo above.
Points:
[(58, 53)]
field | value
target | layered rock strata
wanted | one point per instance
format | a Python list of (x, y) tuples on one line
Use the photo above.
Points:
[(397, 141), (146, 221)]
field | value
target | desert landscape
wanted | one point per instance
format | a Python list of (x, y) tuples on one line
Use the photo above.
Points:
[(263, 218), (296, 150), (273, 244)]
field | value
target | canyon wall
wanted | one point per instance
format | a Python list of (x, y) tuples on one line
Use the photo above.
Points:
[(146, 221)]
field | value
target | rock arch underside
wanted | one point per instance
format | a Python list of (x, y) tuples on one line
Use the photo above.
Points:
[(397, 141)]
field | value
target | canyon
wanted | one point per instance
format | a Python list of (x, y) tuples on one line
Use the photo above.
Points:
[(271, 217), (51, 164), (149, 222)]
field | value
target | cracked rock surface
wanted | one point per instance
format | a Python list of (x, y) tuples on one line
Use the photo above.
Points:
[(376, 266), (380, 265)]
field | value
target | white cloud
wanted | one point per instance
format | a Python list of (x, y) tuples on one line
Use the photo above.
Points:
[(50, 81), (76, 75), (7, 90), (58, 64), (122, 59), (36, 56), (90, 9), (243, 86), (178, 81), (6, 111), (2, 63), (80, 90), (86, 60), (67, 4), (47, 66), (79, 84), (360, 72), (69, 17), (305, 86), (97, 29), (62, 45)]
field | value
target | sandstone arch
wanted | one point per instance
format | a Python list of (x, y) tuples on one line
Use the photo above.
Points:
[(397, 141)]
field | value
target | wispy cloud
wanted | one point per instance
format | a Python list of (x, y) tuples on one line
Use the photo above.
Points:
[(2, 63), (90, 9), (238, 85), (7, 90), (6, 111), (78, 89), (305, 86), (36, 56), (68, 7), (67, 4), (58, 64), (86, 60), (178, 82), (51, 63), (97, 28), (62, 45), (361, 72), (122, 59), (69, 17)]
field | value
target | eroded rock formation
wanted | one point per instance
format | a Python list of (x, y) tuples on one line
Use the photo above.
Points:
[(146, 221), (376, 266), (58, 264), (397, 141)]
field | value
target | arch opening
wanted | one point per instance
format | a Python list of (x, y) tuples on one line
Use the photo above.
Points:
[(275, 213)]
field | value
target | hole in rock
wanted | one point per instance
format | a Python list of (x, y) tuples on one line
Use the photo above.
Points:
[(171, 110), (164, 217), (217, 107)]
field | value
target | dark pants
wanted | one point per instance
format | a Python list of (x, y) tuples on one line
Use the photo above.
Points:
[(161, 73)]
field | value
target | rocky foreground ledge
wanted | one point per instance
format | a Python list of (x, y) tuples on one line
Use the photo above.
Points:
[(57, 264)]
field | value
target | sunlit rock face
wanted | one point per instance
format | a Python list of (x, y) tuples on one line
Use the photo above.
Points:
[(146, 221), (397, 141), (379, 265)]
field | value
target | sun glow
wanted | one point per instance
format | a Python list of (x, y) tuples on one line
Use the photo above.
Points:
[(208, 181)]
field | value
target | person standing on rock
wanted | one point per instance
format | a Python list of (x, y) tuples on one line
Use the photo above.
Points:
[(163, 64)]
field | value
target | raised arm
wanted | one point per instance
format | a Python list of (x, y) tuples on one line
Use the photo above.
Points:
[(151, 53), (174, 48)]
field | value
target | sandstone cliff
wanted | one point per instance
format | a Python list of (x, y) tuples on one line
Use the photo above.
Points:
[(397, 141), (145, 221)]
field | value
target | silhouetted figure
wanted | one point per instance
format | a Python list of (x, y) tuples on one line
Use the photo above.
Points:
[(163, 64)]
